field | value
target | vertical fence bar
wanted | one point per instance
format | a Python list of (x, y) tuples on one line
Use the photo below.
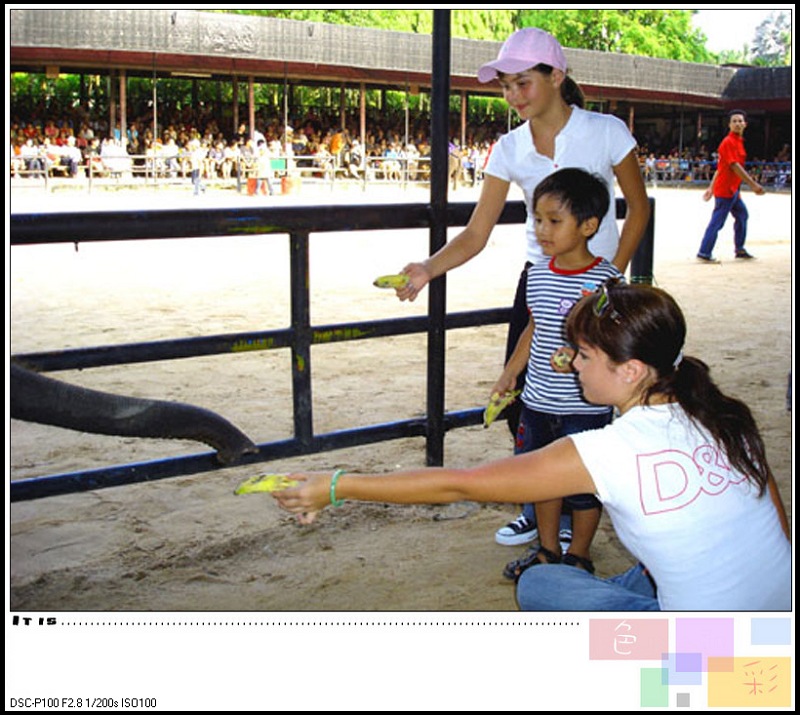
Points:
[(642, 262), (437, 291), (301, 340)]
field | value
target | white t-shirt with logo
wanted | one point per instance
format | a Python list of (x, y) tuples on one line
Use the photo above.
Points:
[(708, 539)]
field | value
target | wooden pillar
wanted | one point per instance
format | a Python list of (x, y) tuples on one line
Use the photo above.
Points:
[(112, 106), (698, 132), (464, 103), (123, 106), (82, 98), (362, 113), (235, 113), (251, 104), (194, 95), (405, 119)]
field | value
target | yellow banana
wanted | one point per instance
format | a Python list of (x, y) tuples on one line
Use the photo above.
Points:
[(265, 483), (497, 404), (396, 280), (562, 359)]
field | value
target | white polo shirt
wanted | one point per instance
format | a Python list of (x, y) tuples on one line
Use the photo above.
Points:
[(589, 140)]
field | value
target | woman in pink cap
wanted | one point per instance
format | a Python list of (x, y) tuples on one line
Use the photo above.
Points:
[(557, 133)]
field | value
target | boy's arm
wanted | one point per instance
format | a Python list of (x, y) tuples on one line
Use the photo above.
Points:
[(517, 362)]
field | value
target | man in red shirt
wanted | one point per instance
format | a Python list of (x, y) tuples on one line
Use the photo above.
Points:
[(725, 187)]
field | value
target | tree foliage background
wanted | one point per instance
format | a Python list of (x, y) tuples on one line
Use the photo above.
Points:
[(667, 34)]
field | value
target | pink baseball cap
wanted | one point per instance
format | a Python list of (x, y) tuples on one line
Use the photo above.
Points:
[(526, 48)]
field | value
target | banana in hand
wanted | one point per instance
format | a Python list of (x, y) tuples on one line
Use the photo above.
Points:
[(395, 280), (265, 483), (497, 404)]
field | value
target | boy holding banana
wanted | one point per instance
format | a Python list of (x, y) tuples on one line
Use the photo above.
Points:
[(568, 207)]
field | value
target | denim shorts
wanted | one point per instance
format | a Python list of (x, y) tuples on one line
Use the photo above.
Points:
[(538, 429)]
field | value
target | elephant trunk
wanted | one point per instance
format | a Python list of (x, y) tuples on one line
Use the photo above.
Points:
[(41, 399)]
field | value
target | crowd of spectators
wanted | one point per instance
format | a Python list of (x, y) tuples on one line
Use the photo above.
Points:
[(675, 167), (393, 149)]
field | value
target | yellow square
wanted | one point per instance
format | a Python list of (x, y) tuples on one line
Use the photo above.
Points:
[(749, 682)]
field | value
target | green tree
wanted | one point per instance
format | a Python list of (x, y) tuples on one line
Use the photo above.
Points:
[(654, 33), (772, 42), (667, 34), (482, 24)]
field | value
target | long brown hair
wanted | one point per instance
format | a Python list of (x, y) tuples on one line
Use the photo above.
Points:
[(645, 323)]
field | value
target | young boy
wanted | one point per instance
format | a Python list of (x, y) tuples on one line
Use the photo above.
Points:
[(568, 207)]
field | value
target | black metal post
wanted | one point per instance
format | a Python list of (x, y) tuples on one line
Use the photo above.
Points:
[(301, 343), (642, 261), (437, 293)]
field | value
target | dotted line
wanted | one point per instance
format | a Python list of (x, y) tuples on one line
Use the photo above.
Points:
[(345, 624)]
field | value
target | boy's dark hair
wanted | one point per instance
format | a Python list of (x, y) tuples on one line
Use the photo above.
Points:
[(583, 194), (737, 111)]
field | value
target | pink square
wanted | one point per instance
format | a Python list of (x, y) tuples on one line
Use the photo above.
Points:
[(628, 638)]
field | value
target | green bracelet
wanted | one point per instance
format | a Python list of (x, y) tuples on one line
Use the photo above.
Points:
[(335, 478)]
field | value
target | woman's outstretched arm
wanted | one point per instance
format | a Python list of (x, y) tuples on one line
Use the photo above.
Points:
[(553, 471)]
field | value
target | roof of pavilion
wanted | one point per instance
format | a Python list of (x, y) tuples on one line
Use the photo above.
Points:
[(201, 43)]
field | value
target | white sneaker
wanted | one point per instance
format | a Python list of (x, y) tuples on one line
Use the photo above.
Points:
[(519, 531), (565, 539)]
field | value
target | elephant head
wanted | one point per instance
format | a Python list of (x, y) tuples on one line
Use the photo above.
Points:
[(41, 399)]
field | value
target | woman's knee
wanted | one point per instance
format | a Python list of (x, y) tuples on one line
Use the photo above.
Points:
[(550, 587), (557, 587)]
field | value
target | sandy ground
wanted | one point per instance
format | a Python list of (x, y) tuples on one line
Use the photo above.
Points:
[(189, 544)]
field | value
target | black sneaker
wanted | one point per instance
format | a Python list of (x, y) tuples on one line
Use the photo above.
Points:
[(707, 259), (519, 531), (743, 254)]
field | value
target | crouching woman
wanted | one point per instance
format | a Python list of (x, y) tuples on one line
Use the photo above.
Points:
[(682, 473)]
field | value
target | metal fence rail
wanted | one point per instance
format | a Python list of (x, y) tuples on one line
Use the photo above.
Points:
[(147, 171), (144, 170), (298, 223)]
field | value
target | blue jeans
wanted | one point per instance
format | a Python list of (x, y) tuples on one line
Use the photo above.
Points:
[(722, 207), (538, 429), (556, 587), (197, 182)]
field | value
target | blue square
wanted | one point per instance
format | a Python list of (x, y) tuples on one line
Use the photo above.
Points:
[(771, 631), (682, 669)]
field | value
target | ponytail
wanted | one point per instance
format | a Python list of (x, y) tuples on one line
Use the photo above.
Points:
[(641, 322), (571, 93), (728, 420)]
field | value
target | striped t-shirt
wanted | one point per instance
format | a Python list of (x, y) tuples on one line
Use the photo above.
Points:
[(551, 294)]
